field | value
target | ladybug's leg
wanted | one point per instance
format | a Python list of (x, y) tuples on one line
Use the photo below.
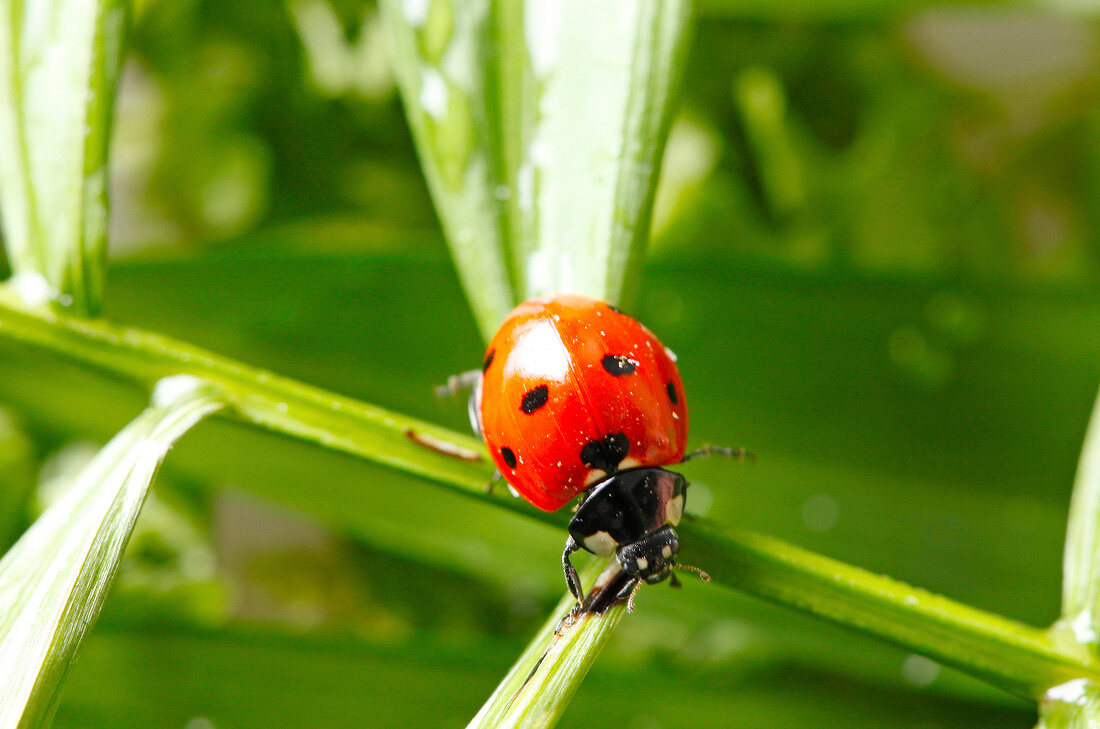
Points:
[(571, 577), (457, 383), (628, 588), (713, 450), (468, 380), (495, 479)]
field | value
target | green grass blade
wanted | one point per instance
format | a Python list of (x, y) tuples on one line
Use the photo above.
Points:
[(1081, 563), (59, 62), (54, 580), (537, 689), (1019, 658), (435, 47), (540, 128)]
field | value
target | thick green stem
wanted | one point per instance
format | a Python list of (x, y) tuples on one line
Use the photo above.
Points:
[(1021, 659)]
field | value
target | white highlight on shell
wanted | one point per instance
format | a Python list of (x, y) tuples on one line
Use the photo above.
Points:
[(434, 93), (538, 353), (600, 544)]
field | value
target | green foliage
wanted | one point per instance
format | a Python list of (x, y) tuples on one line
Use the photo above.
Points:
[(874, 257), (54, 580), (59, 61), (540, 128)]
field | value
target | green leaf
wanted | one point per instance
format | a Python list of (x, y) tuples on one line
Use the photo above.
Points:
[(1081, 564), (59, 62), (837, 341), (541, 683), (54, 580), (1018, 658), (540, 128)]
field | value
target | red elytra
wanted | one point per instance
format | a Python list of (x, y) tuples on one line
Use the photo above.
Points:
[(573, 390)]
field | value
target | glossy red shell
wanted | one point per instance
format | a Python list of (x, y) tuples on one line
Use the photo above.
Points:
[(561, 342)]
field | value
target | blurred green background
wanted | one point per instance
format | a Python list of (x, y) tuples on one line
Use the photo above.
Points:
[(875, 253)]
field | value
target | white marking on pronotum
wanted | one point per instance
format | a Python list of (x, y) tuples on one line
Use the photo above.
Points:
[(675, 510), (600, 544), (593, 476), (642, 563), (666, 551)]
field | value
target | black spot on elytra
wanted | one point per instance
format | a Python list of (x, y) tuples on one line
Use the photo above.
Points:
[(606, 456), (615, 309), (488, 359), (535, 399), (619, 364), (508, 456), (672, 394)]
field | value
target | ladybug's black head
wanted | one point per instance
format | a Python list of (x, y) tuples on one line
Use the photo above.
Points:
[(628, 508), (650, 558), (631, 515)]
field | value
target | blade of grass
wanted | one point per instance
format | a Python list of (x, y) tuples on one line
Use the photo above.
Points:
[(540, 127), (536, 690), (1076, 703), (59, 62), (275, 403), (435, 51), (1081, 564), (1020, 659), (54, 580)]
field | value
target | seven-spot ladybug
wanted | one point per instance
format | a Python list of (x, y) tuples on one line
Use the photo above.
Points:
[(575, 396)]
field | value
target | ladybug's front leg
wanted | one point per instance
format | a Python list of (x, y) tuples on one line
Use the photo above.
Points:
[(571, 577)]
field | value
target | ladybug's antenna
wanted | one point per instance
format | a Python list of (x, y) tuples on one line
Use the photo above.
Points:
[(691, 568), (713, 450), (630, 600)]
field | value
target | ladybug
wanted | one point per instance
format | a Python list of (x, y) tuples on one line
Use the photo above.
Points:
[(575, 397)]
